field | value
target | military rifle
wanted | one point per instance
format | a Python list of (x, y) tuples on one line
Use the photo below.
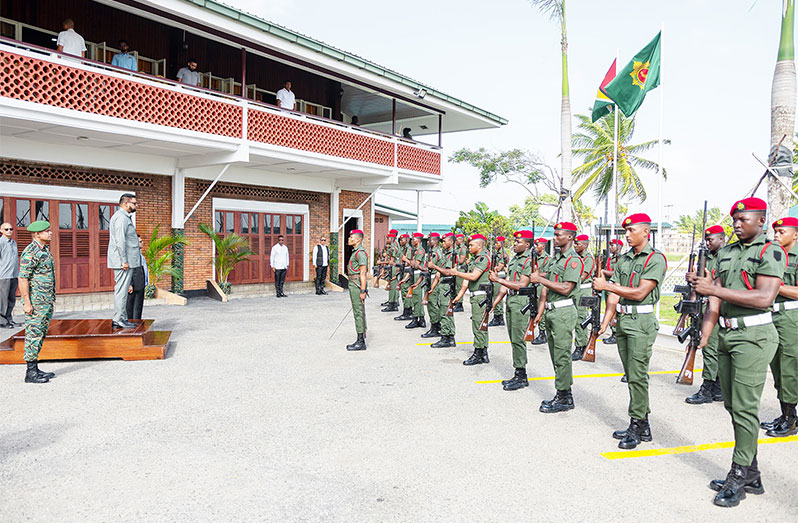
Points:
[(694, 308), (594, 302), (531, 292), (486, 302), (684, 290)]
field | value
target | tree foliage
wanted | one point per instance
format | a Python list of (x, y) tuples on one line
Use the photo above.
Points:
[(231, 249), (483, 221), (715, 216), (159, 256)]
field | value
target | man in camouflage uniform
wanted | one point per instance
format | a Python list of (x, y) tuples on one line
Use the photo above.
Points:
[(709, 391), (447, 261), (499, 265), (432, 296), (461, 264), (417, 261), (357, 271), (475, 281), (37, 288), (541, 244), (402, 257), (519, 269), (585, 289), (785, 317)]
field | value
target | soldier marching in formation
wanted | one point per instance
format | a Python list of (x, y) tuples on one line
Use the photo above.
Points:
[(391, 271), (447, 262), (498, 264), (461, 263), (475, 281), (589, 263), (404, 252), (416, 261), (541, 244), (433, 296)]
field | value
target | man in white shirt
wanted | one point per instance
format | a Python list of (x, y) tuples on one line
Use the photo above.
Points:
[(321, 259), (70, 42), (278, 259), (189, 75), (285, 97)]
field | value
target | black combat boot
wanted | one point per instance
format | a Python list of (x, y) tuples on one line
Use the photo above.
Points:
[(753, 481), (624, 378), (496, 321), (383, 304), (458, 307), (433, 332), (479, 356), (518, 381), (407, 314), (639, 430), (32, 374), (611, 340), (733, 490), (541, 339), (360, 344), (578, 353), (413, 324), (788, 425), (48, 375), (445, 341), (704, 394), (717, 394), (563, 400), (770, 425), (422, 322), (392, 307)]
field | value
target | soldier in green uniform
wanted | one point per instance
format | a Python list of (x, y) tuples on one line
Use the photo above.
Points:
[(785, 317), (616, 246), (417, 262), (405, 277), (561, 283), (447, 261), (392, 259), (519, 269), (709, 391), (461, 263), (541, 244), (633, 295), (37, 288), (475, 281), (499, 265), (585, 289), (432, 296), (749, 274), (357, 271)]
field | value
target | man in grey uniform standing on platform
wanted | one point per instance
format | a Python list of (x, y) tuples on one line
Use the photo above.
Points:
[(123, 255)]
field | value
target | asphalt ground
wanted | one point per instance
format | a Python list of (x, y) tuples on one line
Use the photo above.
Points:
[(257, 415)]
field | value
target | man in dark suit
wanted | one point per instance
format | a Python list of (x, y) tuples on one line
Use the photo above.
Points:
[(321, 260), (138, 284)]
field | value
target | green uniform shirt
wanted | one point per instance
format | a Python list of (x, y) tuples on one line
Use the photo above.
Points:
[(565, 266), (712, 264), (482, 263), (589, 262), (358, 259), (462, 251), (419, 254), (447, 259), (631, 269), (519, 265), (435, 256), (543, 263), (738, 266), (790, 273), (501, 259), (38, 266)]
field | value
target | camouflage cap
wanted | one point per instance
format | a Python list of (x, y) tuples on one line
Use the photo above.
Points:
[(39, 226)]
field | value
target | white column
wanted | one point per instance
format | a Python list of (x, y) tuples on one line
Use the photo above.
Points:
[(419, 210), (371, 235), (334, 209), (178, 198)]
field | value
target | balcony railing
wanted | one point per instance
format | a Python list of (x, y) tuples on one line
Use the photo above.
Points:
[(42, 76)]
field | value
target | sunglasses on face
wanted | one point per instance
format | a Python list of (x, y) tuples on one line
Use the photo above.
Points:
[(8, 229)]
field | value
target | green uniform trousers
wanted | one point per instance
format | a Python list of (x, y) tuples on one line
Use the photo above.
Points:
[(393, 294), (447, 322), (581, 333), (743, 357), (498, 311), (516, 328), (542, 325), (407, 303), (477, 311), (36, 326), (636, 334), (358, 311), (434, 305), (418, 295), (559, 328), (785, 362), (710, 355)]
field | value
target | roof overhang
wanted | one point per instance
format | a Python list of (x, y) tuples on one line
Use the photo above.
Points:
[(394, 213)]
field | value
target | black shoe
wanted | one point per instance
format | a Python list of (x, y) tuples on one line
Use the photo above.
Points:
[(458, 307), (383, 304), (518, 381), (717, 394), (639, 430), (407, 314), (479, 356), (413, 324), (733, 489), (563, 400), (445, 341), (541, 339), (704, 394), (578, 353), (32, 374), (770, 425), (788, 425), (43, 374), (12, 325), (392, 307), (433, 332), (610, 340), (123, 325), (753, 481), (624, 379), (360, 344), (323, 292), (496, 321)]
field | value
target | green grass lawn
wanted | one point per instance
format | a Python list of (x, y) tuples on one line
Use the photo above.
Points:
[(667, 315)]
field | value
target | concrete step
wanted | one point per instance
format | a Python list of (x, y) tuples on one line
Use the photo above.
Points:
[(94, 301), (258, 290)]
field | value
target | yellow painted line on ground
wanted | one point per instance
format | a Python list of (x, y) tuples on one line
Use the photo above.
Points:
[(687, 448), (605, 375)]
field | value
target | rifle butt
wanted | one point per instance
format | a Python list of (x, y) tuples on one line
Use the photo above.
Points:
[(530, 330), (685, 376), (590, 351)]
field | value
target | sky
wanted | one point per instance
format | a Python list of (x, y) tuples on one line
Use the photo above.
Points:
[(717, 69)]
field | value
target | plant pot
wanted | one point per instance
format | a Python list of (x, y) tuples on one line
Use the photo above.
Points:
[(149, 292), (226, 287)]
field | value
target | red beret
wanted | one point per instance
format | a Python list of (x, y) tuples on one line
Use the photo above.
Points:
[(405, 235), (393, 231), (390, 235), (477, 237), (634, 219), (500, 238), (749, 204), (357, 231), (448, 234), (525, 234), (583, 238), (789, 221), (616, 241), (434, 235), (418, 235), (542, 240), (715, 229), (566, 226), (459, 235)]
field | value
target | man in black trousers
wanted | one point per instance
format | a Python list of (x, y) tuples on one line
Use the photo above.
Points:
[(138, 284), (321, 260)]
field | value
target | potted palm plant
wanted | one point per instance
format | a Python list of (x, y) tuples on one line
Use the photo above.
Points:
[(231, 249), (159, 259)]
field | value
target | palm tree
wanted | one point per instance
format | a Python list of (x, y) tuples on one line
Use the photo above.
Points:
[(231, 249), (687, 222), (556, 11), (594, 144), (159, 263), (782, 104)]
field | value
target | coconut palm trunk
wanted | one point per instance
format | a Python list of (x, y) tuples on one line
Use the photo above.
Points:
[(565, 124), (782, 105)]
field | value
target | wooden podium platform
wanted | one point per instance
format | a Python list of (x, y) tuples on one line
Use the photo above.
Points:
[(89, 339)]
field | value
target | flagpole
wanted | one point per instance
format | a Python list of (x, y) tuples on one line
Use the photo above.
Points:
[(615, 162), (659, 167)]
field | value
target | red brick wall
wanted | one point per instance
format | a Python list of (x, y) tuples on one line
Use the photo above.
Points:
[(381, 223), (352, 200)]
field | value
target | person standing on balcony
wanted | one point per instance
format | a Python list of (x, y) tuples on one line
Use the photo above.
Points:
[(138, 284), (278, 259), (321, 260), (285, 97), (124, 255), (9, 271), (70, 42), (125, 59), (188, 75)]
